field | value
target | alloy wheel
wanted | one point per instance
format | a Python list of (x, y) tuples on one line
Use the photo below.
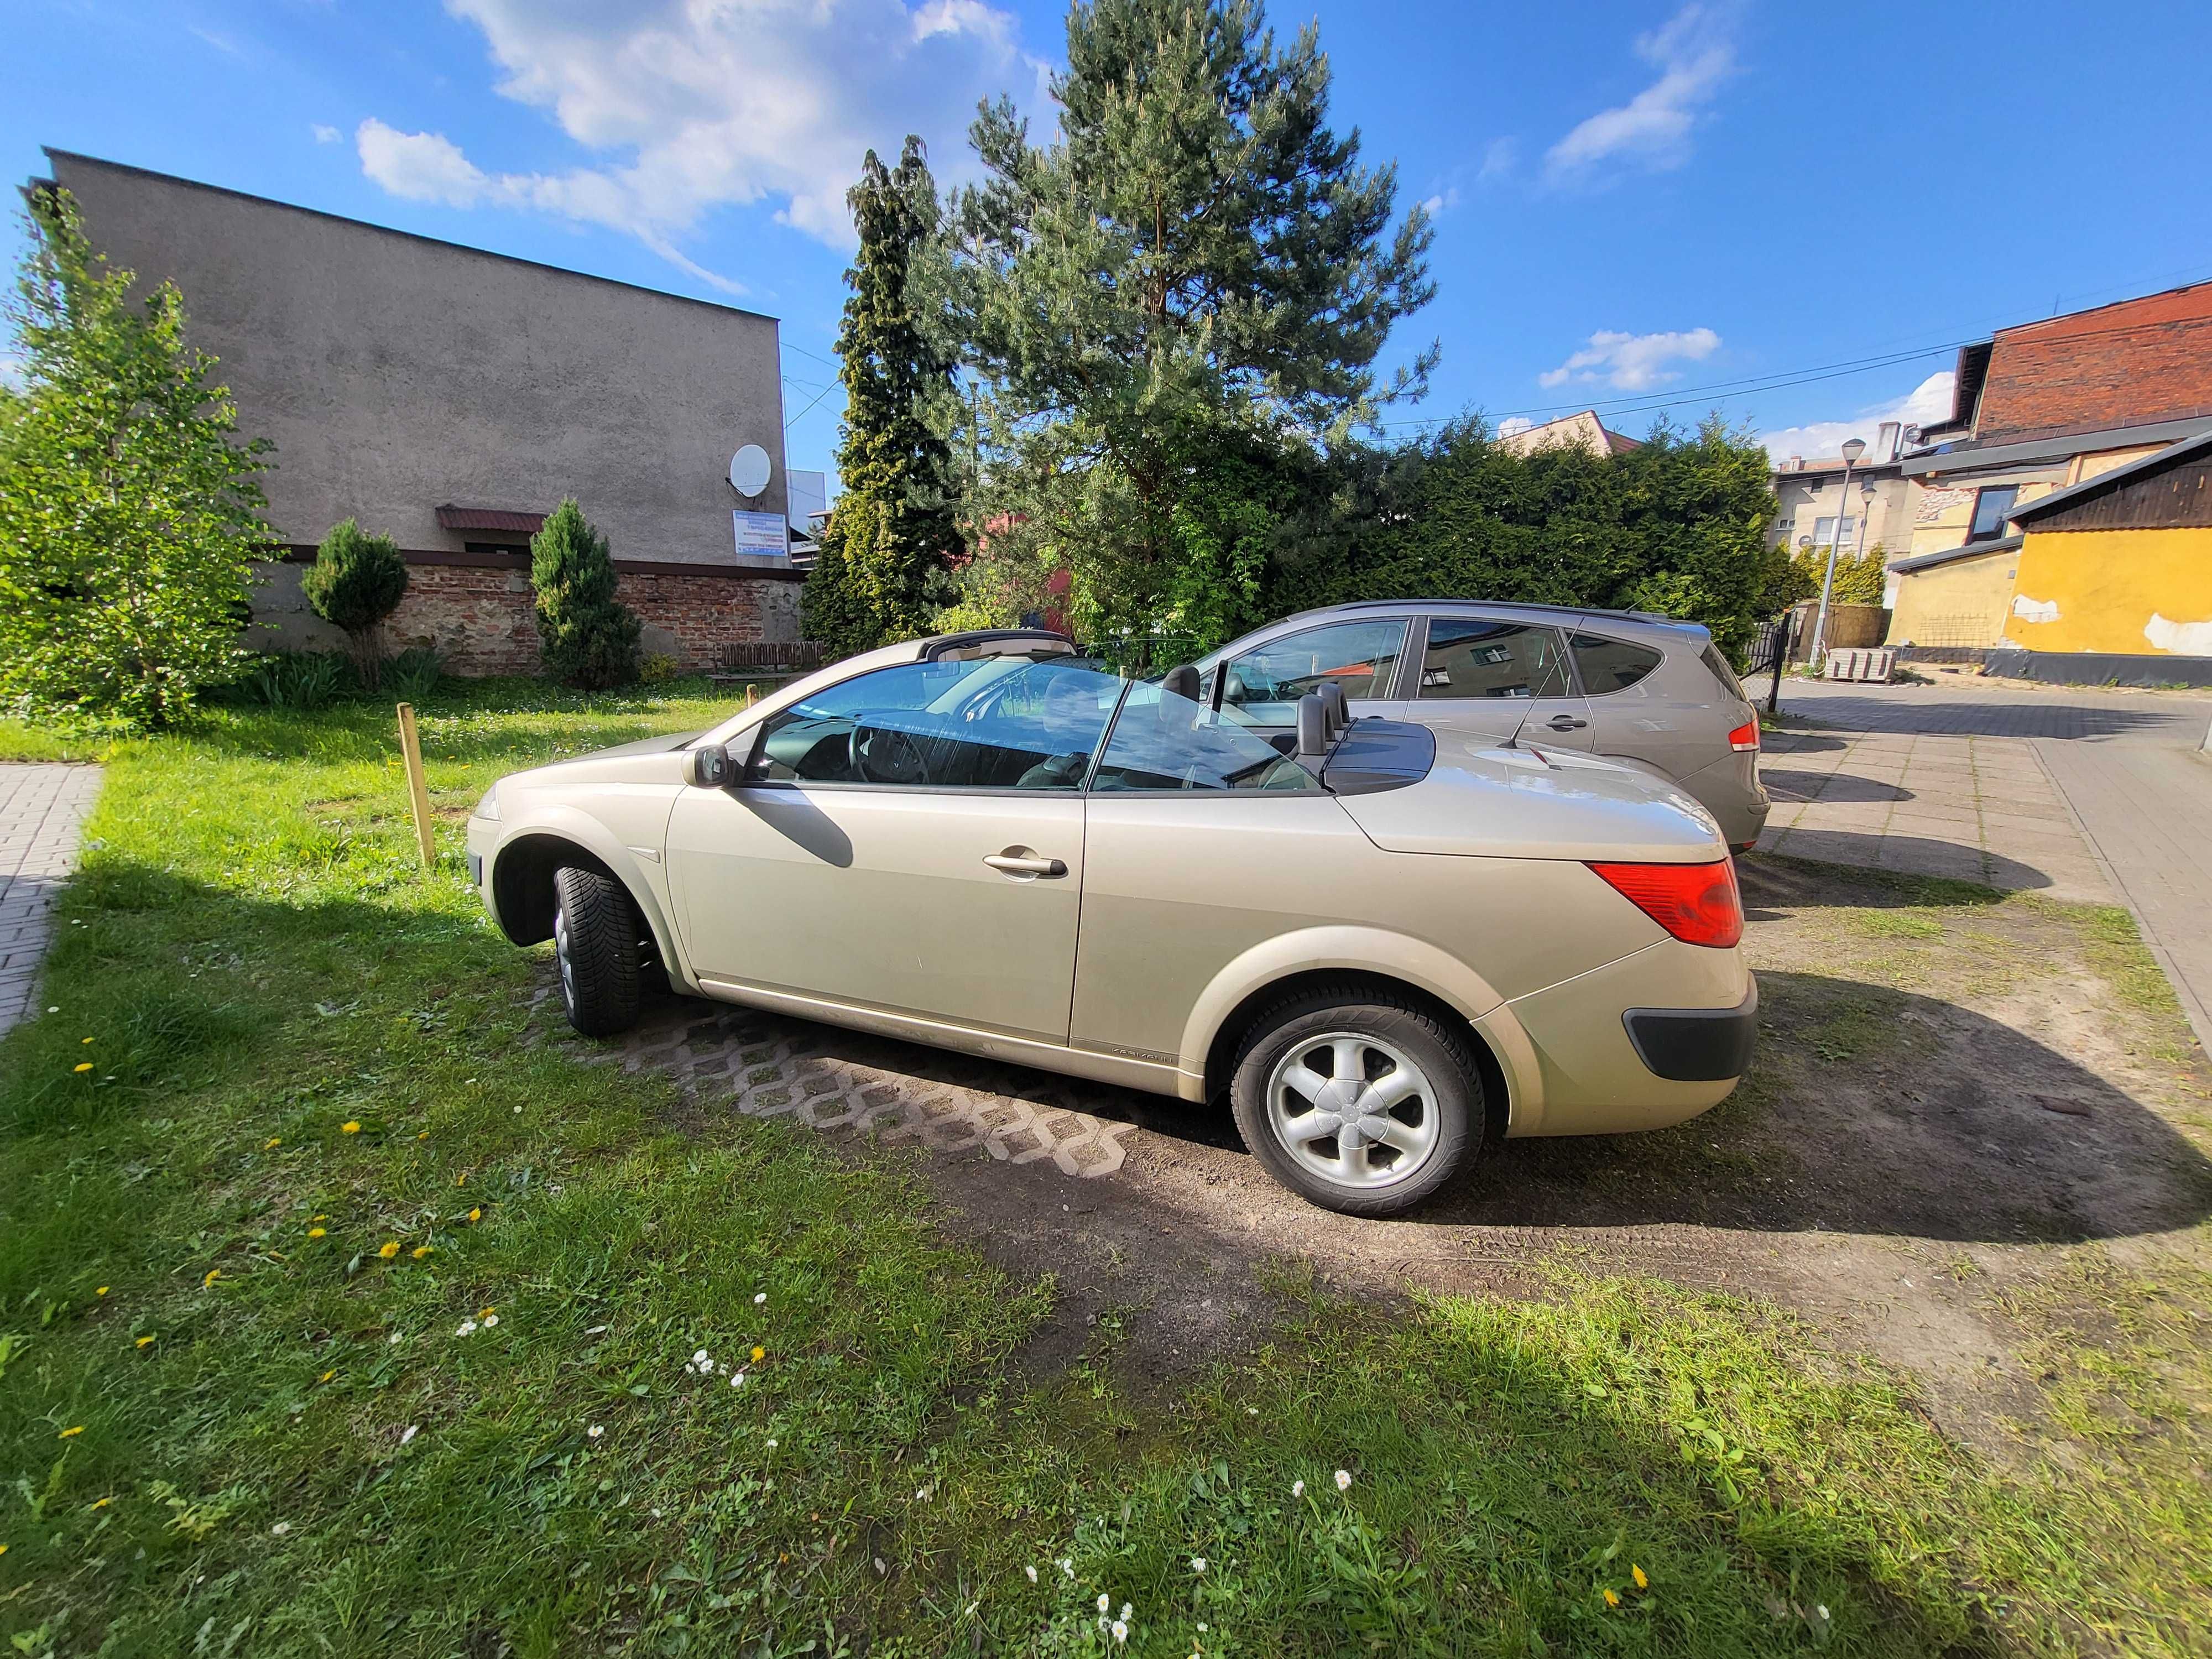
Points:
[(1353, 1110)]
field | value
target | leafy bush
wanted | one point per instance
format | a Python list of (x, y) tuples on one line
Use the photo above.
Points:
[(589, 639), (129, 512), (357, 581), (414, 674), (657, 666), (295, 679), (1861, 578)]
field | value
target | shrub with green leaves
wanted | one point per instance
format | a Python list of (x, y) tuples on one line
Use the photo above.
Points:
[(129, 509), (357, 582), (589, 639)]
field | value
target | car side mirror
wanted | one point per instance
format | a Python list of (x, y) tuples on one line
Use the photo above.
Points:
[(713, 767)]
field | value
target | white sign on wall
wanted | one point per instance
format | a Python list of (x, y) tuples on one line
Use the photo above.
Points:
[(760, 535)]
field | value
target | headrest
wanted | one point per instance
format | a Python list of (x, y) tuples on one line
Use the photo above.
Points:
[(1333, 704), (1181, 681)]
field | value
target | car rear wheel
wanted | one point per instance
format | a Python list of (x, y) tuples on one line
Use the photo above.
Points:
[(596, 929), (1358, 1102)]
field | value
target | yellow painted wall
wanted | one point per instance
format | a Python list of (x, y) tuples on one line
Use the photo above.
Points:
[(1961, 602), (2102, 589)]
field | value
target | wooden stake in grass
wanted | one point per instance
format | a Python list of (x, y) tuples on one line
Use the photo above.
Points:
[(418, 792)]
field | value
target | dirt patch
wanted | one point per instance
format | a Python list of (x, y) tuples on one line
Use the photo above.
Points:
[(1949, 1104)]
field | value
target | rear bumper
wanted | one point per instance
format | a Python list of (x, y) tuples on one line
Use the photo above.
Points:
[(1696, 1045)]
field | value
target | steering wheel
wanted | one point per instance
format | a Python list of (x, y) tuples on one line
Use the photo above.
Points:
[(883, 754)]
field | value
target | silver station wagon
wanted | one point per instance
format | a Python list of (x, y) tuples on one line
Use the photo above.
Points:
[(1652, 693), (1383, 945)]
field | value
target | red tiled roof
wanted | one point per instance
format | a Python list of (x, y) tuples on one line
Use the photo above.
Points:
[(490, 518)]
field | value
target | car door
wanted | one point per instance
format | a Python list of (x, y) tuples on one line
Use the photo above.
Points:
[(1637, 711), (1202, 842), (1361, 655), (909, 841), (1499, 675)]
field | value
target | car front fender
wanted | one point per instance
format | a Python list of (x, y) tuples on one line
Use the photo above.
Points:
[(638, 866)]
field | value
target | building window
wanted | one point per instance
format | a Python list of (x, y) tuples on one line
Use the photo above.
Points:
[(1825, 529), (1991, 507)]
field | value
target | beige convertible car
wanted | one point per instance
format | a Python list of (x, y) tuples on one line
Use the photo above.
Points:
[(1386, 944)]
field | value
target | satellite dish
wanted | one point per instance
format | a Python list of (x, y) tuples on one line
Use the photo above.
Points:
[(749, 471)]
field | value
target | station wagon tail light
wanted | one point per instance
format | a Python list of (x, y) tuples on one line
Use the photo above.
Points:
[(1697, 903), (1745, 738)]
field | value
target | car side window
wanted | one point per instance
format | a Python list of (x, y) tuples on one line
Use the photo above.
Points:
[(1608, 665), (1265, 683), (988, 723), (1474, 659), (1162, 741)]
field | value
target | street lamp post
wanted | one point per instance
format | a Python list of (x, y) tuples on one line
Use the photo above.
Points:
[(1852, 451)]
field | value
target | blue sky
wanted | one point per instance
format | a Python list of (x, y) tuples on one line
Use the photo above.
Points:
[(1704, 205)]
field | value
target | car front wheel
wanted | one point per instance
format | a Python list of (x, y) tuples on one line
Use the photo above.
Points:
[(596, 930), (1357, 1101)]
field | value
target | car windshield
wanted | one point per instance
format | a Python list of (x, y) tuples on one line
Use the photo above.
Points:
[(1164, 741)]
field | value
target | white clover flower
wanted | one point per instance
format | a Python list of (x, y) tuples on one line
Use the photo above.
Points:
[(394, 1339), (1031, 1572), (1297, 1489), (1068, 1565), (1121, 1631), (466, 1327), (1198, 1564), (1344, 1479), (595, 1431), (1201, 1626), (760, 1297), (280, 1528), (736, 1379), (1104, 1601), (771, 1445), (1128, 1612), (412, 1430)]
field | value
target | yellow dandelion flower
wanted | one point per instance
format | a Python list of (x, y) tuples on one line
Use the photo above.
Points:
[(759, 1354), (72, 1434), (100, 1289), (486, 1313), (213, 1274), (88, 1039), (1637, 1573), (145, 1341), (273, 1140), (81, 1066), (462, 1179), (319, 1218), (475, 1215), (326, 1377), (318, 1232), (421, 1250), (351, 1126), (425, 1135), (3, 1549), (389, 1249), (1612, 1600), (101, 1503)]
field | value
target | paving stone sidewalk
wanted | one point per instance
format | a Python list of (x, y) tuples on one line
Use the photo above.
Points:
[(1972, 808), (40, 808)]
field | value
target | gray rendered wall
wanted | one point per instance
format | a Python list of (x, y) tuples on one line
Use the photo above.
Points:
[(395, 373)]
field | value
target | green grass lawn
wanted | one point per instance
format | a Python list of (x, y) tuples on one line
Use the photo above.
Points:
[(336, 1320)]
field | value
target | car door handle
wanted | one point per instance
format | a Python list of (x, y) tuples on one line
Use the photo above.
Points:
[(1565, 723), (1012, 864)]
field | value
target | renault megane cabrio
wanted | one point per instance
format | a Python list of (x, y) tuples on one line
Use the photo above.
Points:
[(1384, 944)]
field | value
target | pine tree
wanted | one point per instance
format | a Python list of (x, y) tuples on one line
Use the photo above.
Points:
[(881, 575), (587, 637), (357, 581), (1199, 272), (129, 510)]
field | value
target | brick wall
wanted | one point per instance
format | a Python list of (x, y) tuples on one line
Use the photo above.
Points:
[(479, 615), (2121, 365)]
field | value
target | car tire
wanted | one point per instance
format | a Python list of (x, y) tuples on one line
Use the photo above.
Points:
[(1297, 1049), (596, 928)]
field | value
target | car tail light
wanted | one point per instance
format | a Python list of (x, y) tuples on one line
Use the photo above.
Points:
[(1745, 737), (1697, 903)]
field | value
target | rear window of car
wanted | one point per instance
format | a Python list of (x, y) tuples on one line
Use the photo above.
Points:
[(1610, 664), (1714, 660)]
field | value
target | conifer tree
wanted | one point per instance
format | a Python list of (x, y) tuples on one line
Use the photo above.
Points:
[(882, 573), (357, 581), (1199, 274), (588, 638)]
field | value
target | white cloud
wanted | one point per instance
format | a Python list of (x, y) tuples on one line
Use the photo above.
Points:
[(1500, 158), (1441, 202), (1694, 53), (1929, 401), (1633, 363), (326, 135), (696, 105), (1514, 425)]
